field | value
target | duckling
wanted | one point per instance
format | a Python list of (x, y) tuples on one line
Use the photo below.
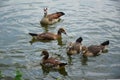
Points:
[(75, 47), (49, 19), (94, 50), (50, 61), (48, 35)]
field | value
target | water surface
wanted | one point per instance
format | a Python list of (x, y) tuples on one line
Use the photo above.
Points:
[(94, 20)]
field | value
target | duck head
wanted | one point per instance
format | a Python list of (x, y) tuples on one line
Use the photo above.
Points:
[(61, 30), (45, 11), (106, 43), (79, 40), (45, 54)]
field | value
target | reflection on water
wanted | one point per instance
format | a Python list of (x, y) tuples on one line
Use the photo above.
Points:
[(46, 70), (33, 40), (60, 42), (84, 60), (69, 60), (45, 28)]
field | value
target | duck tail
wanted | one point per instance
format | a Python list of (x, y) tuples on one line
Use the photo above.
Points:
[(60, 13), (105, 43), (32, 34), (79, 40), (62, 64)]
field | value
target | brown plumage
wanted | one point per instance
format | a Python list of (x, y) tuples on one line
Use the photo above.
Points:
[(94, 50), (74, 47), (50, 61), (48, 35), (51, 18)]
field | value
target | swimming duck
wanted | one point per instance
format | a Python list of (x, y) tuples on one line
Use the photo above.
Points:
[(48, 35), (51, 18), (50, 61), (94, 50), (74, 47)]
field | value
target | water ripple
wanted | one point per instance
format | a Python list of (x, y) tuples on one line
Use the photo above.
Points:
[(94, 20)]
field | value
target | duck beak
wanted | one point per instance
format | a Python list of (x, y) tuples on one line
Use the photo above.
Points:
[(65, 33)]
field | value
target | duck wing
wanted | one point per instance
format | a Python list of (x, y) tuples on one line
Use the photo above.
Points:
[(75, 46), (55, 15), (95, 49), (52, 61), (47, 36)]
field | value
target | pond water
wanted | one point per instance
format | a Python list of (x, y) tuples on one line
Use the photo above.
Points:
[(94, 20)]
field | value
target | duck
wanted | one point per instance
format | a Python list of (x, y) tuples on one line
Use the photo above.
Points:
[(75, 47), (48, 35), (51, 61), (49, 19), (94, 50)]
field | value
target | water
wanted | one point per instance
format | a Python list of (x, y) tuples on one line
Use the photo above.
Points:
[(94, 20)]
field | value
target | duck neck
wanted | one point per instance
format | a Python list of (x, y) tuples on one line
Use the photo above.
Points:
[(45, 14), (46, 57), (59, 34)]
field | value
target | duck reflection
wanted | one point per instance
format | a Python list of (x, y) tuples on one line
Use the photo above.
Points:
[(84, 60), (33, 40), (47, 69), (69, 59), (45, 28), (59, 41)]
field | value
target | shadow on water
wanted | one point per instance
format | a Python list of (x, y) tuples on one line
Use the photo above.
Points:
[(47, 69)]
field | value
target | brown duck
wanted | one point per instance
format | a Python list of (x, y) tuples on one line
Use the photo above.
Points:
[(74, 47), (51, 18), (50, 61), (94, 50), (48, 35)]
